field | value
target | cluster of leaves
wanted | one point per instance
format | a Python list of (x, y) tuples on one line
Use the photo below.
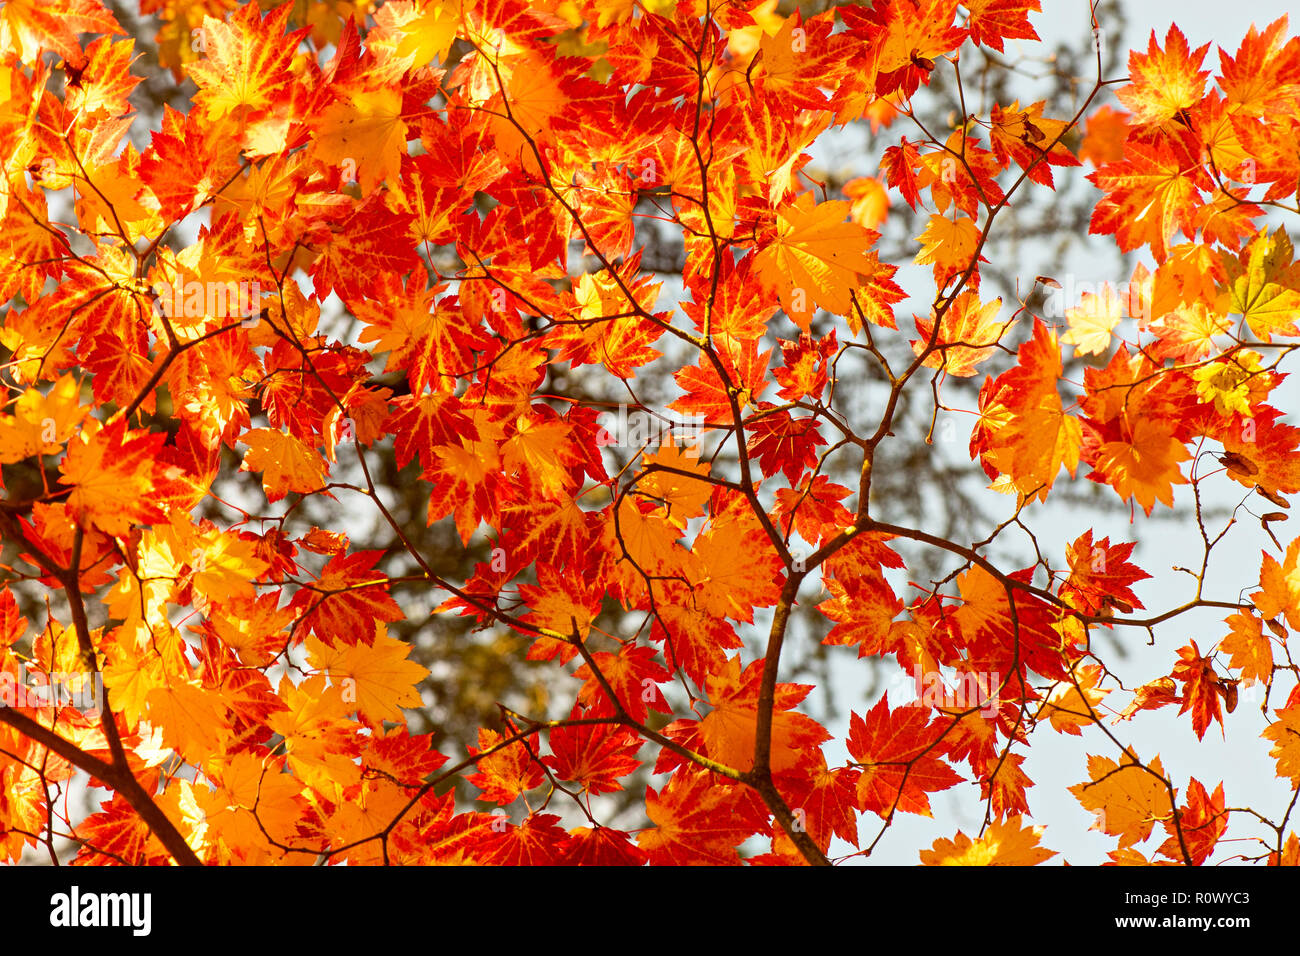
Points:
[(254, 696)]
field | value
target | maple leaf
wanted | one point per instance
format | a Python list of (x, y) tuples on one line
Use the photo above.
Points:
[(602, 846), (287, 463), (1103, 142), (1251, 650), (363, 128), (115, 475), (948, 245), (593, 755), (376, 675), (1285, 734), (1280, 587), (899, 760), (1072, 704), (870, 201), (1199, 825), (43, 26), (1092, 321), (1150, 696), (968, 334), (1101, 575), (1023, 430), (1128, 798), (1262, 75), (504, 772), (699, 821), (816, 258), (248, 61), (346, 600), (1144, 467), (729, 730), (1262, 285), (1201, 688), (1006, 842), (1150, 195), (1031, 140), (1164, 82), (633, 674)]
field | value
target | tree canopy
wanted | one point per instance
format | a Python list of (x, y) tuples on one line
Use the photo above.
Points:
[(444, 432)]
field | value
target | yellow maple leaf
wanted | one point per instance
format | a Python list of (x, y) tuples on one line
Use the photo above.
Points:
[(1285, 734), (286, 463), (363, 135), (1092, 321), (1005, 843), (538, 453), (1070, 707), (246, 782), (1233, 383), (947, 244), (1281, 587), (1145, 467), (192, 718), (430, 33), (41, 423), (816, 258), (318, 738), (684, 496), (377, 677), (1127, 799), (1251, 651)]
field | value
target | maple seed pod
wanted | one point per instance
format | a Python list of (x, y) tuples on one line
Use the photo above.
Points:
[(1110, 601), (1275, 516), (1229, 690), (1276, 627), (1239, 464), (1273, 496)]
